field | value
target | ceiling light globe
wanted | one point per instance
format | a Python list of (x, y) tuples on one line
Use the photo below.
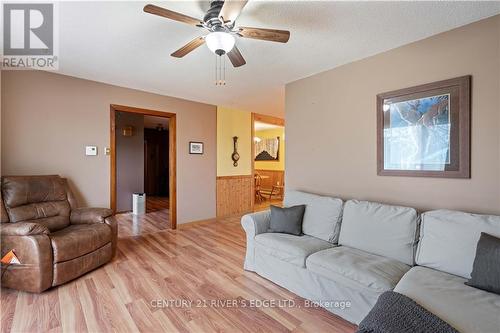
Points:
[(220, 42)]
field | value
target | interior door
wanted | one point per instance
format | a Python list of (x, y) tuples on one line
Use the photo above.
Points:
[(156, 162)]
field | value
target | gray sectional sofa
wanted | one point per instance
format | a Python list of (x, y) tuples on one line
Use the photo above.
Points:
[(352, 252)]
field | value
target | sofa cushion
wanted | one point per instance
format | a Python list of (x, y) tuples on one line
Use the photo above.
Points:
[(40, 199), (486, 268), (290, 248), (78, 240), (54, 215), (322, 216), (4, 217), (448, 239), (465, 308), (53, 223), (357, 269), (71, 269), (287, 220), (389, 231), (23, 190)]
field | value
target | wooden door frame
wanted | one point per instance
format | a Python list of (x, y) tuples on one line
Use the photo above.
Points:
[(172, 157), (263, 119)]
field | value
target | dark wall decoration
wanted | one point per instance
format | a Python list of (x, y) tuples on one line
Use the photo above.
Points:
[(235, 156)]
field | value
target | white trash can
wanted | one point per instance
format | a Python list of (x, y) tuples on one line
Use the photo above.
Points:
[(138, 203)]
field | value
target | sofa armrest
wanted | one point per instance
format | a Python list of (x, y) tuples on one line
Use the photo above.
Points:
[(89, 215), (23, 229), (254, 224)]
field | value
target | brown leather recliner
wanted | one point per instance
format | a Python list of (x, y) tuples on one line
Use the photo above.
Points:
[(54, 240)]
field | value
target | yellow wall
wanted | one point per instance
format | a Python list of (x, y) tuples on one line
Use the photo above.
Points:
[(233, 123), (271, 165)]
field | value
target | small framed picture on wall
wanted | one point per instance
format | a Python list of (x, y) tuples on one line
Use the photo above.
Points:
[(196, 148)]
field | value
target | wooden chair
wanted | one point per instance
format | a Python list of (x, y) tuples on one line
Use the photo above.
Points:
[(258, 190), (275, 190)]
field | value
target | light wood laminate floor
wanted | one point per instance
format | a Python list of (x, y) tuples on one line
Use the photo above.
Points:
[(154, 204), (265, 204), (137, 225), (200, 263)]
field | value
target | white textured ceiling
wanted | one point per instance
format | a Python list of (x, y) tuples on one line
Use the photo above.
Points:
[(117, 43)]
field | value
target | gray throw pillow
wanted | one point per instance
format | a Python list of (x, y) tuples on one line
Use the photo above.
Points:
[(287, 220), (486, 268)]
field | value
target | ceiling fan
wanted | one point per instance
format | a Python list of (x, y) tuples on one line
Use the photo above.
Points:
[(220, 21)]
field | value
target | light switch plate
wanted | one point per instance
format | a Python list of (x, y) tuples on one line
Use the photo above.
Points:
[(91, 150)]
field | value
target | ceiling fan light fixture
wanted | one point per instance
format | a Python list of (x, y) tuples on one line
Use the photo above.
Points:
[(220, 42)]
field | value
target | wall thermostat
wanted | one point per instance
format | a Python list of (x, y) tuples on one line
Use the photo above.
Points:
[(91, 150)]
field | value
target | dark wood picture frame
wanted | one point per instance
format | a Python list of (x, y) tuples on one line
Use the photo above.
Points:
[(192, 152), (458, 90)]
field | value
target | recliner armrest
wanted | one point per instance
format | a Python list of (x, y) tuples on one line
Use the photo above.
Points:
[(96, 215), (89, 215), (23, 229), (35, 272)]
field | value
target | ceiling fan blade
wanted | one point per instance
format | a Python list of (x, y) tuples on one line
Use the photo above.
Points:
[(236, 58), (188, 47), (155, 10), (231, 9), (271, 35)]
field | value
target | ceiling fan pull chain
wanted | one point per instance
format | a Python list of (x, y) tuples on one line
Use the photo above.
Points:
[(220, 70)]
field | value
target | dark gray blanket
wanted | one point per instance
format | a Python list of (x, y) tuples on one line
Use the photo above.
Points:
[(396, 313)]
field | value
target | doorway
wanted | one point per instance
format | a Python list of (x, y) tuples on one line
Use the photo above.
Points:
[(156, 153), (157, 141), (268, 161)]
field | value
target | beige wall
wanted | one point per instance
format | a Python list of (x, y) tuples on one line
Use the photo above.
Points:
[(47, 119), (331, 122), (1, 123), (231, 123)]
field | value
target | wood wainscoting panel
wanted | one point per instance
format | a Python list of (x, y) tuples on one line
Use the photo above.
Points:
[(234, 195), (272, 177)]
